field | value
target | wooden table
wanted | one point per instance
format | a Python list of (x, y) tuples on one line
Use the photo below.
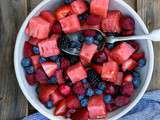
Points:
[(13, 104)]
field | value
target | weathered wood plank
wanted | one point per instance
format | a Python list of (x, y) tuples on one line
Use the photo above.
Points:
[(13, 104), (149, 11), (132, 3)]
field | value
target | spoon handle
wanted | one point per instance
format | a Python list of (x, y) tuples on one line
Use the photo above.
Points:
[(154, 36)]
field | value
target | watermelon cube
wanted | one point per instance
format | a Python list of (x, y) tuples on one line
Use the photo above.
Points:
[(99, 7), (70, 24), (49, 68), (96, 107), (59, 76), (76, 73), (78, 6), (110, 71), (87, 52), (49, 47), (34, 41), (122, 52), (35, 61), (112, 22), (27, 50), (38, 28), (119, 78)]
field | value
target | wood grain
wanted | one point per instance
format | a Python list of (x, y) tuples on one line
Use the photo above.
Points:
[(149, 11), (132, 3), (13, 104)]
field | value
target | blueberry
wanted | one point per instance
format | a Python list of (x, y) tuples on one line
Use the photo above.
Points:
[(110, 45), (84, 81), (53, 58), (136, 74), (29, 70), (142, 62), (52, 80), (102, 86), (42, 59), (89, 92), (80, 97), (35, 50), (49, 104), (89, 40), (67, 2), (136, 82), (84, 102), (75, 44), (98, 37), (26, 62), (83, 16), (108, 98), (98, 91)]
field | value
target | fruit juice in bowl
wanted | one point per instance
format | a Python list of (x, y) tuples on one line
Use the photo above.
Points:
[(96, 84)]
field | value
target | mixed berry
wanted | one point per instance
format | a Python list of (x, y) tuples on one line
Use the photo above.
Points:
[(94, 83)]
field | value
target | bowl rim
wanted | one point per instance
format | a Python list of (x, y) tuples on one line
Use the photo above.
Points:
[(129, 107)]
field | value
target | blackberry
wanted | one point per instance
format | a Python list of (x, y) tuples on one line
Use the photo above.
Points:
[(93, 78), (64, 42)]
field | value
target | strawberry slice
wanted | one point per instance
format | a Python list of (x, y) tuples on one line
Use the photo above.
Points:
[(78, 88), (122, 52), (121, 101), (45, 91), (130, 64), (59, 76), (87, 52), (110, 71), (127, 89), (72, 102), (31, 79), (65, 63), (119, 78), (70, 24), (56, 97), (64, 89), (93, 20), (49, 47), (61, 108), (96, 107), (128, 78), (112, 22), (48, 16), (76, 72), (80, 114), (97, 68), (63, 11), (41, 77), (49, 68), (79, 6), (134, 44), (138, 56), (34, 41), (38, 28), (99, 7), (27, 50), (35, 61)]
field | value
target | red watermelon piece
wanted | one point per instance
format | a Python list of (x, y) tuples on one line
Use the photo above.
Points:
[(38, 28), (122, 52), (70, 24), (49, 68), (76, 72), (112, 22), (119, 78), (99, 7), (96, 107), (79, 6), (110, 71), (49, 47), (87, 52)]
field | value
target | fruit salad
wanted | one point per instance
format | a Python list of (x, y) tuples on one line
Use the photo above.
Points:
[(96, 82)]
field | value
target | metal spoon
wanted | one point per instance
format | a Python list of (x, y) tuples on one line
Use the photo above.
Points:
[(154, 36)]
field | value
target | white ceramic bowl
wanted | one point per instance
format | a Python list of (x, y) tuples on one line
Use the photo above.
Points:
[(29, 91)]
